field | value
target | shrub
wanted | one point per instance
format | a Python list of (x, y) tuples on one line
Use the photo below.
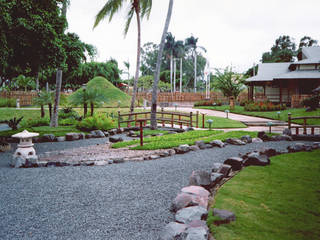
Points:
[(245, 102), (312, 102), (8, 102), (263, 107), (35, 122), (96, 122), (208, 103), (66, 113), (68, 122), (13, 123)]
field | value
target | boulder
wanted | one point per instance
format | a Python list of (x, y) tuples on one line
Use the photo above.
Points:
[(281, 138), (72, 136), (217, 143), (120, 130), (189, 129), (198, 223), (200, 178), (262, 135), (298, 147), (17, 162), (255, 159), (287, 132), (217, 167), (216, 178), (182, 149), (118, 160), (82, 135), (270, 152), (224, 215), (115, 139), (246, 139), (194, 148), (171, 152), (235, 163), (112, 132), (189, 214), (164, 154), (174, 231), (4, 146), (61, 139), (257, 140), (106, 134), (235, 141), (184, 200), (225, 170), (315, 145), (196, 190), (48, 137), (99, 134), (200, 144), (197, 233), (89, 136), (131, 134)]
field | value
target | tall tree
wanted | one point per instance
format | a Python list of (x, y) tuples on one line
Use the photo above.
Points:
[(54, 119), (191, 44), (140, 8), (157, 72)]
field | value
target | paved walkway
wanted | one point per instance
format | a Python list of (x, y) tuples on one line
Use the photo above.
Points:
[(127, 201)]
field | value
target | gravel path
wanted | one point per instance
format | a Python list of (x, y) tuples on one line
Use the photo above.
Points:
[(122, 201)]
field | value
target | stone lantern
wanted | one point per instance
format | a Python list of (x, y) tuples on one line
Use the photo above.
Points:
[(25, 154)]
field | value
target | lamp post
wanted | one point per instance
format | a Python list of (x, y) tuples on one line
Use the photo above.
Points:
[(279, 114), (210, 121), (269, 124), (227, 113)]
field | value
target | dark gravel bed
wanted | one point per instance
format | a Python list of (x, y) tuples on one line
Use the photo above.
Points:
[(122, 201)]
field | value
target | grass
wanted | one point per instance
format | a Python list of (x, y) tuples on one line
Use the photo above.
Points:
[(59, 131), (149, 132), (219, 122), (175, 140), (296, 112), (279, 202)]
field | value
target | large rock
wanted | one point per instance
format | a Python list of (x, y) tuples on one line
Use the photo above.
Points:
[(225, 170), (189, 214), (281, 138), (112, 132), (216, 167), (262, 135), (201, 144), (315, 145), (216, 178), (48, 137), (198, 233), (257, 140), (4, 146), (61, 139), (196, 190), (174, 231), (194, 148), (270, 152), (235, 141), (246, 139), (255, 159), (224, 215), (235, 163), (298, 147), (114, 139), (287, 131), (217, 143), (72, 136), (200, 178), (99, 134), (17, 162), (182, 149)]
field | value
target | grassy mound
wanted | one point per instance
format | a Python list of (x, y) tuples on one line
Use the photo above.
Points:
[(111, 93)]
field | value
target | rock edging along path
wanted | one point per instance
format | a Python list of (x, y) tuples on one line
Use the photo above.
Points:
[(115, 202)]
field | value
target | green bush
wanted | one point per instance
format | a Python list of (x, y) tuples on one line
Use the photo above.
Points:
[(97, 122), (68, 113), (8, 102), (68, 122), (245, 102), (263, 107), (208, 103), (27, 123), (312, 102)]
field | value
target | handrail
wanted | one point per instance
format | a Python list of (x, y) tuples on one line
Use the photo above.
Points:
[(304, 125)]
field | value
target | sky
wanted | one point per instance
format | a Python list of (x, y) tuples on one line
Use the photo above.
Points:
[(235, 33)]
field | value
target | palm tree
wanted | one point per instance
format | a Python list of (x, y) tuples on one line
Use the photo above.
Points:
[(140, 8), (44, 98), (191, 44), (158, 66), (168, 49)]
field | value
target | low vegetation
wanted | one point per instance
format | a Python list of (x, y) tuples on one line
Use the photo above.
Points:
[(280, 201)]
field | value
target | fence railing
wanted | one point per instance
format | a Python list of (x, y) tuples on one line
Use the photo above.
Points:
[(163, 117), (26, 98), (304, 126)]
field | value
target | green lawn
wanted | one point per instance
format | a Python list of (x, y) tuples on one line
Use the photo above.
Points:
[(174, 140), (296, 112), (278, 202)]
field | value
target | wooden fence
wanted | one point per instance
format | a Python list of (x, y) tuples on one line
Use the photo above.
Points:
[(26, 98), (178, 118), (304, 126)]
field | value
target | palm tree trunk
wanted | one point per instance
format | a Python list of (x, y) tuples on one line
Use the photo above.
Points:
[(54, 119), (135, 82), (195, 71), (50, 110), (42, 111), (85, 110), (180, 75), (174, 74), (92, 108), (171, 67), (158, 66)]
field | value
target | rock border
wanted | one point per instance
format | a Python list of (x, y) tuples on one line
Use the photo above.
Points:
[(192, 204)]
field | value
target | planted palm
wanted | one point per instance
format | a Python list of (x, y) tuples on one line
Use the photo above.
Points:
[(44, 98)]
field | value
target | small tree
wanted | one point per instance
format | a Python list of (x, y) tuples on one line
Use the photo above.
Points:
[(44, 98), (228, 82), (24, 82)]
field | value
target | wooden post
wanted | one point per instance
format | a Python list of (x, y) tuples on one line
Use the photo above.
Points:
[(197, 119), (118, 119), (141, 134), (190, 119), (304, 126), (162, 117), (180, 121), (297, 130), (203, 120), (312, 130), (289, 121), (172, 120), (135, 119)]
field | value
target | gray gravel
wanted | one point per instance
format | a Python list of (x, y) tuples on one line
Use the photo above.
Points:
[(124, 201)]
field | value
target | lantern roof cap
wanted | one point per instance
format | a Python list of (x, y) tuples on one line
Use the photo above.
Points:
[(25, 134)]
